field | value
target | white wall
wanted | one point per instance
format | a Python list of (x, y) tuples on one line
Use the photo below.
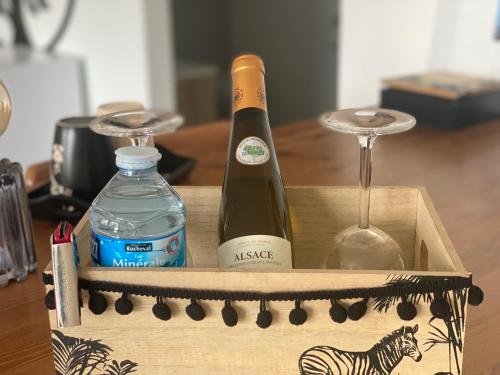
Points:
[(463, 39), (43, 89), (386, 38), (160, 52), (127, 52), (122, 54), (380, 39)]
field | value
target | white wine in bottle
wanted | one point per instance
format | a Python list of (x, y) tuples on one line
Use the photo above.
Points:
[(254, 224)]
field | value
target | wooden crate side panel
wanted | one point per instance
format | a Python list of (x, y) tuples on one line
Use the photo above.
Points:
[(82, 235), (331, 207), (202, 206), (330, 215), (430, 230), (319, 213), (183, 346)]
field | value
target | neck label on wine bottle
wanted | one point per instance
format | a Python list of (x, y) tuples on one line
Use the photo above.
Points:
[(249, 90), (252, 151), (257, 251)]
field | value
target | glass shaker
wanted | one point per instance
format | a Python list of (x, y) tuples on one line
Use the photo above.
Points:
[(17, 249)]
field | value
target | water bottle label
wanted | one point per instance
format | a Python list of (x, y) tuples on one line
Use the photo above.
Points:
[(167, 251)]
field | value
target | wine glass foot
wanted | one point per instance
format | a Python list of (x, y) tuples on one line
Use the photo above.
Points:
[(138, 125), (364, 249)]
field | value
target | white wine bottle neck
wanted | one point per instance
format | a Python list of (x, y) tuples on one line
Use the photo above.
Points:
[(249, 90)]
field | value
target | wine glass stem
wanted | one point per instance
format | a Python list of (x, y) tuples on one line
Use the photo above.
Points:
[(142, 141), (365, 176)]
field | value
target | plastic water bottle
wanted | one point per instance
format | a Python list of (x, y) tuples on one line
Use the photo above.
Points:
[(138, 220)]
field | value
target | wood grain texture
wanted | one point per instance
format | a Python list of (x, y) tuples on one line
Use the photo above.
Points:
[(318, 214), (314, 210), (184, 346), (459, 169), (25, 344)]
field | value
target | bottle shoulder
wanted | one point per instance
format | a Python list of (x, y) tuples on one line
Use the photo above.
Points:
[(250, 121), (143, 206), (136, 185)]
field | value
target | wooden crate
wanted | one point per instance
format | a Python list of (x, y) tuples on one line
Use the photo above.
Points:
[(183, 346)]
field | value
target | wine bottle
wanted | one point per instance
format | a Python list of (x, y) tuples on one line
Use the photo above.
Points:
[(254, 224)]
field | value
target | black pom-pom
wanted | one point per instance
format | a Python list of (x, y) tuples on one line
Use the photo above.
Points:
[(97, 303), (298, 315), (476, 295), (195, 311), (264, 318), (440, 308), (406, 310), (229, 314), (337, 312), (161, 310), (50, 300), (357, 310), (123, 305)]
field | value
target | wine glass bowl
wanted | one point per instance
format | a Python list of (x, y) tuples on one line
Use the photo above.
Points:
[(138, 125), (364, 246), (5, 108)]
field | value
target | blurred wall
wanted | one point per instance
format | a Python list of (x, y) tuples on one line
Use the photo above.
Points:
[(209, 20), (127, 47), (464, 37), (387, 38), (42, 89), (203, 51), (297, 40), (380, 39), (122, 48)]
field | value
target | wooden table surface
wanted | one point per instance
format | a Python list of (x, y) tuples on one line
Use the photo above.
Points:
[(461, 170)]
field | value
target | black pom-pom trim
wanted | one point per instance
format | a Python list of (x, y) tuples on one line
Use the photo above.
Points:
[(406, 310), (439, 286), (50, 300), (338, 313), (123, 305), (161, 309), (476, 295), (229, 314), (97, 303), (298, 315), (440, 308), (195, 311), (264, 318), (357, 310)]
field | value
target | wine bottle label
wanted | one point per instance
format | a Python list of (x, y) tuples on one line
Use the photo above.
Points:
[(252, 151), (258, 251), (167, 251)]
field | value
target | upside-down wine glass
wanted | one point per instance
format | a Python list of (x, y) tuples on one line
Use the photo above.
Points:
[(364, 246), (5, 108), (138, 125)]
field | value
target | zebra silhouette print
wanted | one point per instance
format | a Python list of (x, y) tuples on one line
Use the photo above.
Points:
[(381, 359)]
